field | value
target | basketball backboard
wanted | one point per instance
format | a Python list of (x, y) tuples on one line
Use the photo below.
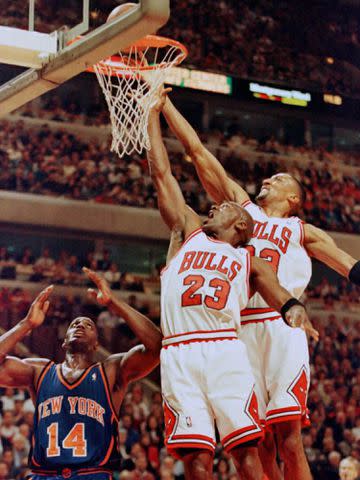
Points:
[(53, 61)]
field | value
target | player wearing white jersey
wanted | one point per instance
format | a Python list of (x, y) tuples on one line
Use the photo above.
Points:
[(278, 354), (205, 373)]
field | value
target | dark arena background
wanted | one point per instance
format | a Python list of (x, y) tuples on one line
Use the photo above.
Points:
[(270, 86)]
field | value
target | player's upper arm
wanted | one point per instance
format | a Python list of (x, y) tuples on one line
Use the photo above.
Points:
[(214, 178), (16, 372), (321, 246), (135, 364)]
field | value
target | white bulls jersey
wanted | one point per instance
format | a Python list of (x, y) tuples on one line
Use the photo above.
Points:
[(204, 287), (280, 242)]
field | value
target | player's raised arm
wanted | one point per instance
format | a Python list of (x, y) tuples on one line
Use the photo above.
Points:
[(171, 202), (141, 360), (15, 372), (322, 247), (212, 174), (263, 279)]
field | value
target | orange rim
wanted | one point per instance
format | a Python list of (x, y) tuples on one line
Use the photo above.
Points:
[(116, 66)]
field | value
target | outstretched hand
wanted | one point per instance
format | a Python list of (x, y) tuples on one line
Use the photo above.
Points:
[(38, 309), (103, 295), (162, 94), (297, 317)]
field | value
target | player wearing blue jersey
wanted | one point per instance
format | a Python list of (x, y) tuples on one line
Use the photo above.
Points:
[(77, 402)]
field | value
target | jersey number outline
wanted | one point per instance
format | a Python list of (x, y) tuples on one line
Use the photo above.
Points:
[(217, 302), (269, 254), (74, 440)]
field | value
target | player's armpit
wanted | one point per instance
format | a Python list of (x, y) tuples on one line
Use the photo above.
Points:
[(321, 246), (15, 372)]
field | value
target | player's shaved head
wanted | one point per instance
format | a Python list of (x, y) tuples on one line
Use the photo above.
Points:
[(230, 223), (246, 217)]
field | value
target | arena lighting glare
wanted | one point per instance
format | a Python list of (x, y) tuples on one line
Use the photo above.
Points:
[(199, 80), (282, 95)]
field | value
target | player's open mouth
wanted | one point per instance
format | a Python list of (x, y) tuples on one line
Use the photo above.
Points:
[(79, 332)]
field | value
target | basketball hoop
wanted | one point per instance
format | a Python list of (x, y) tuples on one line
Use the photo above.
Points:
[(130, 81)]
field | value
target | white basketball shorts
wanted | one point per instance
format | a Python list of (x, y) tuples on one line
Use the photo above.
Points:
[(203, 382), (279, 358)]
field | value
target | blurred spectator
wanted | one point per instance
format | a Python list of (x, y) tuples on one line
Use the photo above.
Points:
[(349, 469)]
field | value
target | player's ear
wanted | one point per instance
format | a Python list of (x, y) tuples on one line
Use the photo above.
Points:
[(294, 201), (240, 225)]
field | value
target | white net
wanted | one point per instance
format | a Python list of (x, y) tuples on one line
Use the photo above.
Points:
[(130, 83)]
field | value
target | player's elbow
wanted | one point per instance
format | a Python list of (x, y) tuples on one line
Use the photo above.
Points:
[(196, 151)]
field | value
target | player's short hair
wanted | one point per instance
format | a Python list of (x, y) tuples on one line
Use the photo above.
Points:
[(302, 191)]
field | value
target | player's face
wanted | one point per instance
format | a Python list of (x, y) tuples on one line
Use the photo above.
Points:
[(82, 330), (347, 471), (220, 217), (227, 222), (276, 188)]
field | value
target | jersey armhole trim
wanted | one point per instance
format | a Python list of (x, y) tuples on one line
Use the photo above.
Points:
[(192, 235), (107, 391), (246, 203), (42, 375), (248, 266), (302, 233)]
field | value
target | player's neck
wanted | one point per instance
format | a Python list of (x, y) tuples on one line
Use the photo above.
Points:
[(78, 360), (276, 210)]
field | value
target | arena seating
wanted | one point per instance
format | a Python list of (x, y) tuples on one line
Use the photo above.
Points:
[(58, 163), (255, 44)]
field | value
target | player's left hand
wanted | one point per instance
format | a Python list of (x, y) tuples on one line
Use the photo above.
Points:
[(161, 98), (297, 317), (103, 295)]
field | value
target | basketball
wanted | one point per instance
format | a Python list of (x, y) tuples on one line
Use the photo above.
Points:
[(120, 10)]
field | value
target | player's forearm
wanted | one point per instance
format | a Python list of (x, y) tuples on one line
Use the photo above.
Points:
[(321, 246), (171, 202), (181, 128), (273, 294), (9, 339), (159, 163), (144, 329), (265, 281), (337, 259)]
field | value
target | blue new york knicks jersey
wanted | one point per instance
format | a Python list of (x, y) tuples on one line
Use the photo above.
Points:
[(75, 425)]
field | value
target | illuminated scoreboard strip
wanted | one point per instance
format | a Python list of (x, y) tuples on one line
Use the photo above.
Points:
[(282, 95), (199, 80)]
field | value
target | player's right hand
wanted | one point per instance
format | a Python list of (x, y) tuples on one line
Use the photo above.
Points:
[(297, 317), (104, 295), (162, 94), (38, 309)]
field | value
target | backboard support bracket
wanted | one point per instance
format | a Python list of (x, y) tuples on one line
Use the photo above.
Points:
[(147, 18)]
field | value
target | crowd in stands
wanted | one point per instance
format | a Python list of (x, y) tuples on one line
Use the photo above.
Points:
[(264, 39), (66, 269), (61, 164), (334, 403)]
